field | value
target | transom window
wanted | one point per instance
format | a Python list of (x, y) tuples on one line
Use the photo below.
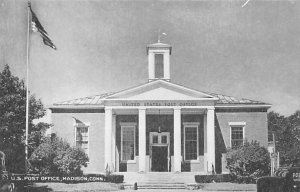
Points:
[(162, 138), (127, 142), (159, 65), (82, 136), (155, 139), (237, 136), (191, 141)]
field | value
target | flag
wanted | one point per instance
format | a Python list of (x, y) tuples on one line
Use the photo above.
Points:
[(36, 26)]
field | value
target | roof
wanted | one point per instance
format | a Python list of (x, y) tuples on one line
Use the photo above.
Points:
[(91, 100), (97, 100), (224, 99), (159, 45)]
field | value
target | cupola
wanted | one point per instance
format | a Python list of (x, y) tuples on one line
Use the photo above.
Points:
[(159, 61)]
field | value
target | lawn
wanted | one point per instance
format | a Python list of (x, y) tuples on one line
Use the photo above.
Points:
[(102, 186), (228, 187), (82, 187)]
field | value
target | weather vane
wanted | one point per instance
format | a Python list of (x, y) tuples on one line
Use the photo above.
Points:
[(159, 35)]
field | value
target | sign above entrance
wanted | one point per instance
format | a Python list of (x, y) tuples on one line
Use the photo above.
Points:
[(163, 103)]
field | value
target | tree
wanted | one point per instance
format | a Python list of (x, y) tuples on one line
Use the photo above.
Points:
[(248, 162), (56, 157), (13, 118), (287, 134)]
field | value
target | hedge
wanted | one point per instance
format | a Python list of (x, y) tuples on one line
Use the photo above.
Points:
[(274, 184), (213, 178), (114, 178)]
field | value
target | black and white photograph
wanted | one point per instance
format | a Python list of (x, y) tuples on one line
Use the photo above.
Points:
[(149, 95)]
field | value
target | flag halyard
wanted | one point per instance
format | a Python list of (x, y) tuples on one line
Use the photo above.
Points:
[(36, 26)]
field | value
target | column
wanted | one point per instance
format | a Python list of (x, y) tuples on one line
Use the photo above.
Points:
[(108, 139), (210, 138), (113, 143), (177, 139), (205, 142), (142, 140)]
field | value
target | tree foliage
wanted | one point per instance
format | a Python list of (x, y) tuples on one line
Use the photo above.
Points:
[(13, 119), (287, 134), (248, 162), (57, 157)]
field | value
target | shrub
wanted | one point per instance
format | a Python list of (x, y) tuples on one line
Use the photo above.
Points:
[(274, 184), (57, 157), (115, 178), (248, 162), (213, 178)]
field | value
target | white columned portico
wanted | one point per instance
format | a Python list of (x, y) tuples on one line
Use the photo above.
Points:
[(210, 134), (108, 137), (177, 139), (142, 139)]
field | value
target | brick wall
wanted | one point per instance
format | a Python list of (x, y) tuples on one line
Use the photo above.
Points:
[(63, 126)]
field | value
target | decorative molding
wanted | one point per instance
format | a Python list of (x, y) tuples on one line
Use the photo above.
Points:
[(237, 123), (191, 123), (128, 123)]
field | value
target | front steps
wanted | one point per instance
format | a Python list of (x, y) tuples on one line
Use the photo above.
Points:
[(160, 185), (160, 180)]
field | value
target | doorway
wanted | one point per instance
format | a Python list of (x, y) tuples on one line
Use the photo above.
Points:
[(159, 159), (159, 151)]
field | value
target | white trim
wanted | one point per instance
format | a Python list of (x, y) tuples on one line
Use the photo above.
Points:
[(243, 106), (129, 99), (128, 124), (162, 107), (98, 106), (160, 81), (133, 126), (76, 106), (191, 125), (236, 124)]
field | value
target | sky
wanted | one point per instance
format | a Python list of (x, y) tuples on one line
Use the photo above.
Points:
[(250, 51)]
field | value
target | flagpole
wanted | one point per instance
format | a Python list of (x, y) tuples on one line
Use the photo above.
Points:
[(27, 88)]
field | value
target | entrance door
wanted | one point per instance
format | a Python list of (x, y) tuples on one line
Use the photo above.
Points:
[(159, 159), (159, 151)]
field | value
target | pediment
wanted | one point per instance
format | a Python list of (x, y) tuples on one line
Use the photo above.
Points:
[(160, 90)]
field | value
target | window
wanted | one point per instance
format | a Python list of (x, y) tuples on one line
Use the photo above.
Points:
[(127, 142), (237, 136), (270, 136), (155, 139), (164, 139), (82, 136), (159, 65), (190, 142)]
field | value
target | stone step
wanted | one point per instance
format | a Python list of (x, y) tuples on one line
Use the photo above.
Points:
[(152, 185), (159, 177), (160, 187)]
